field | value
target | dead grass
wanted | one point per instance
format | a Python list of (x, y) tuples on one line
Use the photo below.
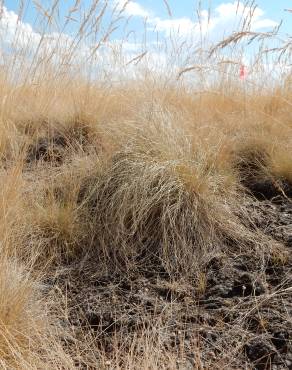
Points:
[(27, 338), (141, 178), (149, 190)]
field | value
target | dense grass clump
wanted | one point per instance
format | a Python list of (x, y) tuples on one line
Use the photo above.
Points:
[(157, 204), (145, 213)]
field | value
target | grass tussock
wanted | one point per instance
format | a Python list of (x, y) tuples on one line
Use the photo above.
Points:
[(154, 204), (145, 222)]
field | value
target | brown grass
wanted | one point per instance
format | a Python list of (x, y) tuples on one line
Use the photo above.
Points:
[(126, 179)]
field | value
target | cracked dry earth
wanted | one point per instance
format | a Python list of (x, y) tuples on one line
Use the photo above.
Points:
[(241, 317)]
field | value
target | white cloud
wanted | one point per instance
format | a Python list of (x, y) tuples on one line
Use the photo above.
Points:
[(182, 26), (15, 33), (131, 8), (227, 17), (263, 23), (232, 15), (19, 36)]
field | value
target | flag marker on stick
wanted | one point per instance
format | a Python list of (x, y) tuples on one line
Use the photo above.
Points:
[(242, 72)]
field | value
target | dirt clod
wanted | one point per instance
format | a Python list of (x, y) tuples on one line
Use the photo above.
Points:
[(261, 353)]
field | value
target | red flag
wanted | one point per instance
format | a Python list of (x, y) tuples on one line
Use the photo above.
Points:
[(242, 72)]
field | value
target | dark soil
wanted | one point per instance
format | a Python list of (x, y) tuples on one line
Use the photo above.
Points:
[(268, 189), (241, 318), (47, 149), (54, 147), (251, 166)]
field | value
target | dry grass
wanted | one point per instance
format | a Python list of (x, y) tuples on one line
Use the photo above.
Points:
[(27, 339), (142, 177)]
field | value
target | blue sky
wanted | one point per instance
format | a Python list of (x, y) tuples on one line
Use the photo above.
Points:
[(273, 10), (152, 15)]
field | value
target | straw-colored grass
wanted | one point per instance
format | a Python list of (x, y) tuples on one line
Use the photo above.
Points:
[(146, 175)]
